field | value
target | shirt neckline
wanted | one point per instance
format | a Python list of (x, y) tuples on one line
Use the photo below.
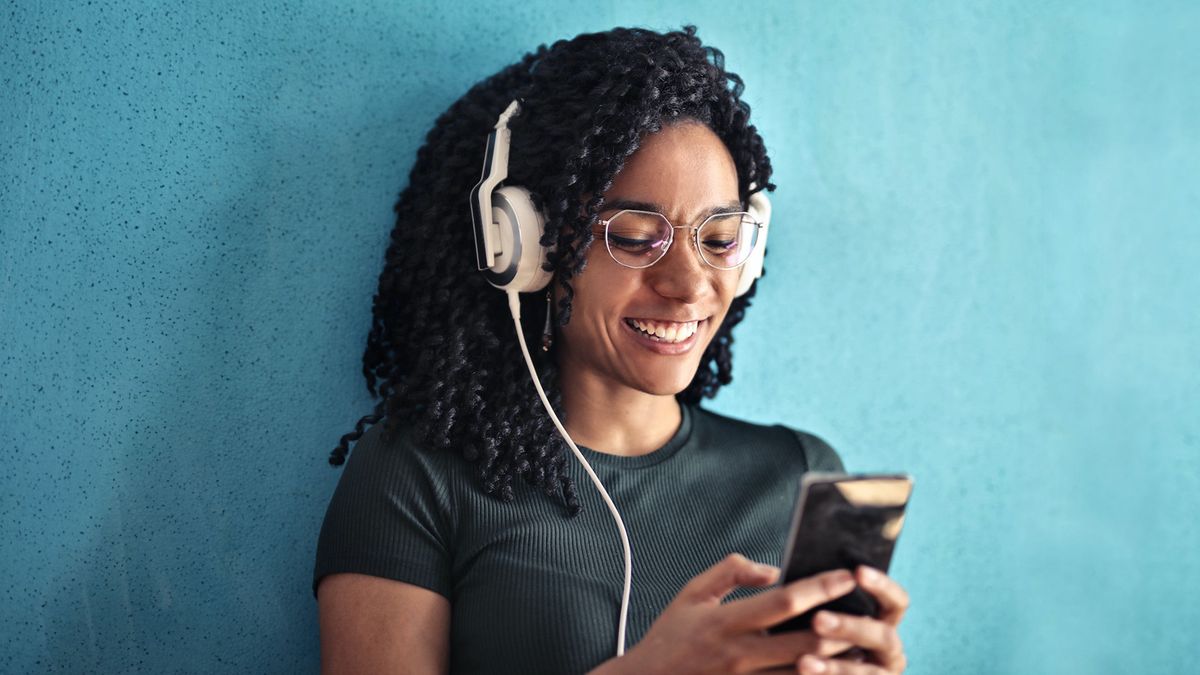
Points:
[(668, 450)]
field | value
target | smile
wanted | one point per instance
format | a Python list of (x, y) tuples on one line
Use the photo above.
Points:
[(665, 338), (664, 331)]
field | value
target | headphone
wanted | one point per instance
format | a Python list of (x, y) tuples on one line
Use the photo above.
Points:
[(508, 231), (508, 228)]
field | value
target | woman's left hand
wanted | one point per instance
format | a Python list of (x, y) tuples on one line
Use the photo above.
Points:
[(876, 638)]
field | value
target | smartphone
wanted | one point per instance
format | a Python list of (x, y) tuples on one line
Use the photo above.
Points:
[(842, 521)]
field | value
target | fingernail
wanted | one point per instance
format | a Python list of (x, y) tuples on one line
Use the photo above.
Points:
[(870, 574), (764, 568), (826, 621), (812, 664)]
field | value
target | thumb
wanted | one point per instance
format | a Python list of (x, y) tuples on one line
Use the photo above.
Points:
[(718, 581)]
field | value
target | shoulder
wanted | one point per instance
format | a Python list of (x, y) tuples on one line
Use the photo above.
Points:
[(391, 475), (818, 455), (384, 441), (394, 450), (392, 513), (393, 468)]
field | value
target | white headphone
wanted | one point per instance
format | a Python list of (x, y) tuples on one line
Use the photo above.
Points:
[(509, 252), (508, 246)]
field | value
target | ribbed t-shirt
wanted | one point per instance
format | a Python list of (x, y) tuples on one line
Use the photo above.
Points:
[(535, 591)]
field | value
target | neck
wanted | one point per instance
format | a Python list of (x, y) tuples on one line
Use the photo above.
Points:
[(625, 423), (616, 421)]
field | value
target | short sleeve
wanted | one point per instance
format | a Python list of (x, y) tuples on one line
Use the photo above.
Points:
[(818, 454), (390, 516)]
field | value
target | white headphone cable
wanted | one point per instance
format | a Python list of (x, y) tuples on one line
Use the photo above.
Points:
[(514, 306)]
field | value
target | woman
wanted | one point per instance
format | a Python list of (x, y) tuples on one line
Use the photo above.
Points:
[(438, 553)]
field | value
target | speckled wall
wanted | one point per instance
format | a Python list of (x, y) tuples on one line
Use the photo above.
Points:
[(983, 271)]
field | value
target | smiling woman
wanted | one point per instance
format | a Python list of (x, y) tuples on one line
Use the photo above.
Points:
[(608, 353), (645, 177)]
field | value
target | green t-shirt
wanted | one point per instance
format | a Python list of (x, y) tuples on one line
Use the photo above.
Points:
[(534, 591)]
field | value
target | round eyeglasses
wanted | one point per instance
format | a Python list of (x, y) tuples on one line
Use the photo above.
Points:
[(639, 239)]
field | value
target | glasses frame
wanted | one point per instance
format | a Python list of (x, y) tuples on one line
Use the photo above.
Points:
[(671, 239)]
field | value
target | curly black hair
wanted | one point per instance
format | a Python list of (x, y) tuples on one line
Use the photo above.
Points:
[(441, 351)]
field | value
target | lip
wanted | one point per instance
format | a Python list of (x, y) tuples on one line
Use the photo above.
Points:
[(660, 320), (665, 348)]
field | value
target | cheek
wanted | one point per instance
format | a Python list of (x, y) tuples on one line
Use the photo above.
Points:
[(727, 286), (603, 289)]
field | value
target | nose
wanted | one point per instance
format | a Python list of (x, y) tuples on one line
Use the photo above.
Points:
[(681, 274)]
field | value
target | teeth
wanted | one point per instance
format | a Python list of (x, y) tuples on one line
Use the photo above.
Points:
[(666, 332)]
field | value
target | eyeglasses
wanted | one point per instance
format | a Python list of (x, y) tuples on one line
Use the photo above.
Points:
[(639, 239)]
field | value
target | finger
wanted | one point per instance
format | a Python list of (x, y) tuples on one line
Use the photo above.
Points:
[(893, 599), (855, 654), (718, 581), (879, 637), (762, 651), (779, 604), (812, 665)]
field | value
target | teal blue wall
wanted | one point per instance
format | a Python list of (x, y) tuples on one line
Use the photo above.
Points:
[(983, 271)]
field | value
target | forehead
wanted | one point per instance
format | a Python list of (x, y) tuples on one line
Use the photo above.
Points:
[(684, 168)]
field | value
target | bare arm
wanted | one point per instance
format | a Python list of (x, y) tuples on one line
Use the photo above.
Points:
[(376, 625)]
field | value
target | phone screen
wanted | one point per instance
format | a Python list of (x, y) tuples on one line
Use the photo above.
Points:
[(840, 522)]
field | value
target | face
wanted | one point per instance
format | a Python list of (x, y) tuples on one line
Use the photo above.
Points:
[(685, 172)]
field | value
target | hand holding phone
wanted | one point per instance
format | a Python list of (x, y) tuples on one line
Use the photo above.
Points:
[(842, 521)]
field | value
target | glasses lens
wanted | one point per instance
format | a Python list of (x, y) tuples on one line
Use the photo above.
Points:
[(726, 239), (637, 238)]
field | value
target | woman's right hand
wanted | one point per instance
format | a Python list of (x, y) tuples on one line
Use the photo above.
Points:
[(696, 633)]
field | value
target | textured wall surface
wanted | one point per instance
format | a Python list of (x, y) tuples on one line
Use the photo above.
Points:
[(983, 271)]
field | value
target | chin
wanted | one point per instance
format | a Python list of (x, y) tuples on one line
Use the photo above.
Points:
[(667, 383), (665, 391)]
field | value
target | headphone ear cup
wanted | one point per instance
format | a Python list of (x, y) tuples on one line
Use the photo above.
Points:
[(518, 267), (760, 208)]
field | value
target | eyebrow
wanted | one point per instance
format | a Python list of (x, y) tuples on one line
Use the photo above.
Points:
[(622, 204)]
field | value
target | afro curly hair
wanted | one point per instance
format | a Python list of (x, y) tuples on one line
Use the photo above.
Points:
[(440, 353)]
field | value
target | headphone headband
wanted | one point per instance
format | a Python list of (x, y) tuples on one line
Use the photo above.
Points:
[(495, 170)]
